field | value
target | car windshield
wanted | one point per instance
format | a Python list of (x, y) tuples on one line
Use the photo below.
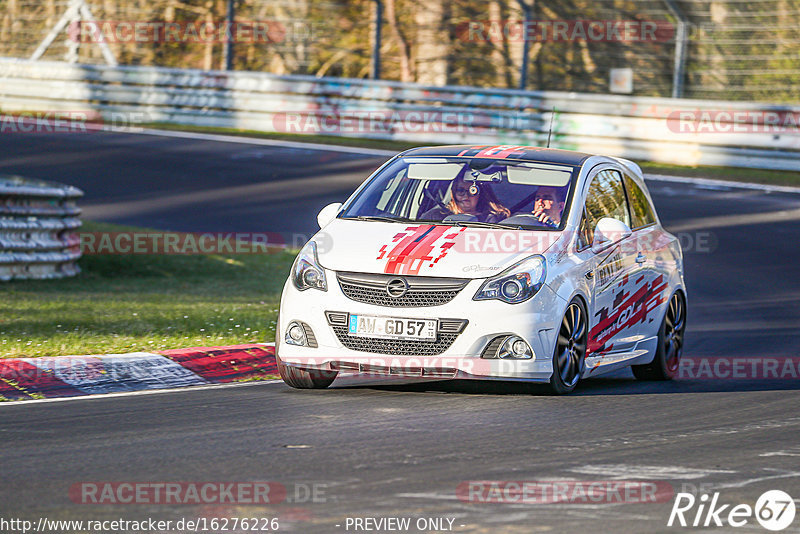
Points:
[(466, 191)]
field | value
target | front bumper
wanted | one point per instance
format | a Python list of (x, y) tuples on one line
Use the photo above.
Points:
[(536, 321)]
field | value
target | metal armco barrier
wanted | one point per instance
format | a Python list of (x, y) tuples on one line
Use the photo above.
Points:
[(37, 220), (643, 128)]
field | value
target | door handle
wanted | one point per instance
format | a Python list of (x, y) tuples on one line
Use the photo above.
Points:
[(641, 258)]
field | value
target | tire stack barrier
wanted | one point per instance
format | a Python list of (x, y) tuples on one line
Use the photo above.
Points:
[(37, 223)]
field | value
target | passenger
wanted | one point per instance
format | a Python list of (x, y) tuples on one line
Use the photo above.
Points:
[(471, 198), (548, 206)]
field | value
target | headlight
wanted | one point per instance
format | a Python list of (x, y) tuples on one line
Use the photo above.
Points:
[(516, 284), (306, 271)]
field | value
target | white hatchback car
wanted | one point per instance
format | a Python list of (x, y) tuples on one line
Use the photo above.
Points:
[(487, 262)]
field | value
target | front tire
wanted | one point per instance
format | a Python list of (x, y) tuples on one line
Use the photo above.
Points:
[(569, 356), (667, 361), (305, 378)]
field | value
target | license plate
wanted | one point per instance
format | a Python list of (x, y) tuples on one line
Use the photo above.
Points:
[(392, 327)]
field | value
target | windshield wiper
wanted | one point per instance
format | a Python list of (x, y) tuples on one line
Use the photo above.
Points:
[(481, 224), (381, 218), (476, 224)]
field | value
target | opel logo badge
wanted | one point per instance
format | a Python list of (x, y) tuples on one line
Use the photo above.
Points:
[(396, 287)]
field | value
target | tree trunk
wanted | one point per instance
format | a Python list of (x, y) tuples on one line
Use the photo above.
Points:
[(406, 75), (433, 42), (208, 56)]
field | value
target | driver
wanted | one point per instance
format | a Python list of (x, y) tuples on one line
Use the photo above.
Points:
[(471, 198)]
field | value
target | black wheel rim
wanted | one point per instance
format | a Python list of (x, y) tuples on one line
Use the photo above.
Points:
[(571, 345), (674, 324)]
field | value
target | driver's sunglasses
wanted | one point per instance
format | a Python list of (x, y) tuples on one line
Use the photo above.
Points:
[(464, 191), (543, 199)]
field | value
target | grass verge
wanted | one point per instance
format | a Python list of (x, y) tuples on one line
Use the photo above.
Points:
[(736, 174), (128, 303)]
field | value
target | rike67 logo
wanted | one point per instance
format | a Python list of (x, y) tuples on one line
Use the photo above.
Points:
[(774, 510)]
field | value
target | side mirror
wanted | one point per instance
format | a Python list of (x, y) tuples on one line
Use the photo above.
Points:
[(328, 213), (609, 231)]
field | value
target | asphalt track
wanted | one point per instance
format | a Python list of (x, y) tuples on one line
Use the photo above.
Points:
[(398, 450)]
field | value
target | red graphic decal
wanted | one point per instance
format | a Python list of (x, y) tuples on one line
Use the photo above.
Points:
[(619, 299), (464, 152), (501, 151), (633, 310), (445, 248), (416, 246), (498, 151)]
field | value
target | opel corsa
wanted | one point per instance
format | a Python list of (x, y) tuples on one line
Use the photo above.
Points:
[(487, 262)]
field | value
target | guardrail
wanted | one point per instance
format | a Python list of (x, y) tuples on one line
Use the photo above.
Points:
[(680, 131), (36, 223)]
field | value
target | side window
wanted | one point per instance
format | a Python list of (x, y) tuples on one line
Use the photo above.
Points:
[(641, 211), (606, 198)]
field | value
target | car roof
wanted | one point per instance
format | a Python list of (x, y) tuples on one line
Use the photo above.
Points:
[(515, 152)]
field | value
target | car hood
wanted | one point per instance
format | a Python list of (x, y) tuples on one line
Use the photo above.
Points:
[(425, 249)]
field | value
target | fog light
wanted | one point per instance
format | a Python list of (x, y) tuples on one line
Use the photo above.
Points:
[(515, 347), (519, 347), (295, 335)]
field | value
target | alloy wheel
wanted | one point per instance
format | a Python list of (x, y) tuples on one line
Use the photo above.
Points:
[(571, 345), (675, 321)]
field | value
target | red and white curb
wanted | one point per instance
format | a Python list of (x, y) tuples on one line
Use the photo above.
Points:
[(68, 376)]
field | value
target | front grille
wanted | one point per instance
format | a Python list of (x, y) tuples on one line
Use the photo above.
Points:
[(422, 290), (398, 347)]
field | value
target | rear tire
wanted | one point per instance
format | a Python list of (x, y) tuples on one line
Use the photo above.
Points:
[(667, 361), (569, 356), (305, 378)]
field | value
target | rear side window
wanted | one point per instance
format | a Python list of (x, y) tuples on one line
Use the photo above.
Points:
[(642, 212), (606, 198)]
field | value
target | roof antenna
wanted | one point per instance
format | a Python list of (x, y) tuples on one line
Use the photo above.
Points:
[(550, 130)]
